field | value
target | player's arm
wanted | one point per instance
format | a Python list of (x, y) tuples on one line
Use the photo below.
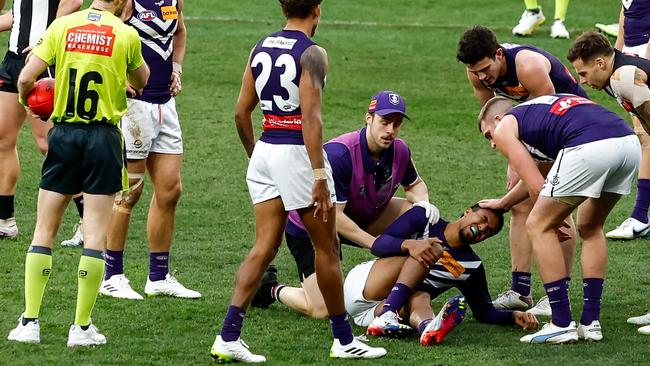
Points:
[(417, 191), (620, 41), (33, 68), (533, 73), (179, 39), (346, 227), (139, 76), (314, 70), (246, 103), (630, 83), (68, 7), (506, 138), (6, 20), (481, 92)]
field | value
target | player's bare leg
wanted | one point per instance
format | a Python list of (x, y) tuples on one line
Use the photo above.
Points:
[(544, 220), (308, 298), (591, 220)]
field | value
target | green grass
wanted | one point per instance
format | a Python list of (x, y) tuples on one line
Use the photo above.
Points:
[(372, 45)]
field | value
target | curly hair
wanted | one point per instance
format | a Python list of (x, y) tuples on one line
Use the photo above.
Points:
[(475, 44), (298, 8)]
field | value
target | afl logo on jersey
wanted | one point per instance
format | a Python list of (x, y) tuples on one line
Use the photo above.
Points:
[(147, 15)]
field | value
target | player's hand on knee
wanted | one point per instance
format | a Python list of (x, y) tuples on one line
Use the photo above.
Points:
[(425, 251), (432, 212), (564, 232), (320, 197), (512, 178), (525, 320)]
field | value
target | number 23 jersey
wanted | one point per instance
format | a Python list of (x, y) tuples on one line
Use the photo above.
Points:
[(275, 63), (93, 51)]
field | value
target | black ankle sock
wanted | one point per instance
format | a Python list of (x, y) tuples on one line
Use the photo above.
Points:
[(6, 207), (85, 327), (27, 320), (79, 202), (534, 11)]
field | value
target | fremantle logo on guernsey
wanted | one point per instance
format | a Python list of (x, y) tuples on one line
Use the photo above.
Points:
[(92, 39)]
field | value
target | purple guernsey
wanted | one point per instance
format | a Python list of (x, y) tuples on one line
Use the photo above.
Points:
[(275, 62), (471, 283), (364, 185), (637, 22), (156, 23), (509, 86), (551, 123)]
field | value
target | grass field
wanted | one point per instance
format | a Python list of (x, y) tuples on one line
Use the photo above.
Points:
[(373, 45)]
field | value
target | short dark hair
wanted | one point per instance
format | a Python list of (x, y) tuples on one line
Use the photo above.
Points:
[(476, 44), (589, 46), (475, 207), (298, 8)]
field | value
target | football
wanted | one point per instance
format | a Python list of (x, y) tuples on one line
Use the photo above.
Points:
[(41, 98)]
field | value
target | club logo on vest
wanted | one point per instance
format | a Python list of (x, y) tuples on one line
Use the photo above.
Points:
[(556, 180), (147, 15), (393, 98)]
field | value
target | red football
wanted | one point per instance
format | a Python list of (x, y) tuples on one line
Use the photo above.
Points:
[(41, 98)]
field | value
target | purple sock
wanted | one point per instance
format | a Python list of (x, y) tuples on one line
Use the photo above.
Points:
[(114, 263), (423, 324), (232, 323), (398, 296), (521, 283), (158, 265), (593, 292), (640, 211), (341, 328), (558, 296)]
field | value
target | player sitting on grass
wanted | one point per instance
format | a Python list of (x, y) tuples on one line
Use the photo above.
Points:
[(409, 283)]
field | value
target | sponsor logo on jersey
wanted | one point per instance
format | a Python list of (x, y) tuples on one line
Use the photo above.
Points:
[(159, 3), (564, 104), (169, 12), (273, 122), (147, 15), (516, 91), (94, 17), (279, 42), (91, 39)]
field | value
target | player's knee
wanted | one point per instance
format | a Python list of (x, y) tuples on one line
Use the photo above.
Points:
[(8, 142), (126, 200), (534, 225), (169, 195), (318, 311), (589, 229)]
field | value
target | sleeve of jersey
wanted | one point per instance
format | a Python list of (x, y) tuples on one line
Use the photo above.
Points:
[(389, 243), (477, 295), (135, 59), (46, 48), (411, 175), (341, 163)]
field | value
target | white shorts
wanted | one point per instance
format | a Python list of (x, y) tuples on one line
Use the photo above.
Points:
[(283, 170), (601, 166), (149, 127), (637, 50), (360, 309)]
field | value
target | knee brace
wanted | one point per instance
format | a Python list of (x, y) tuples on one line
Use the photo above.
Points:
[(125, 200)]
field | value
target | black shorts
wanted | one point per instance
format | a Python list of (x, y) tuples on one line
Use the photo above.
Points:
[(303, 253), (12, 64), (84, 158)]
